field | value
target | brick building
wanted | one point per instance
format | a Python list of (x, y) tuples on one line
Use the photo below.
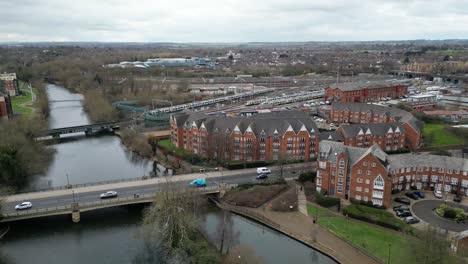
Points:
[(379, 119), (261, 137), (388, 136), (353, 173), (6, 110), (364, 92), (10, 83), (369, 174)]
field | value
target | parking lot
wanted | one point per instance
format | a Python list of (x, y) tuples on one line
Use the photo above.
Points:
[(424, 210)]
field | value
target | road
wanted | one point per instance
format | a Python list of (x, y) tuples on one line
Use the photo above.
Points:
[(50, 199), (424, 210)]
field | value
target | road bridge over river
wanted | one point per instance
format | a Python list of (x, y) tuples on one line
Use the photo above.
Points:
[(60, 200)]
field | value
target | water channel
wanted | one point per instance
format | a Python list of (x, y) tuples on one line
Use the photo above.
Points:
[(112, 235)]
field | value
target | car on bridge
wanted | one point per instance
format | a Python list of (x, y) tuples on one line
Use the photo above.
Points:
[(108, 194), (23, 205), (198, 182)]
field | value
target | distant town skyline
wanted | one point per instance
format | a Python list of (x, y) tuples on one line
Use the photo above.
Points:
[(231, 21)]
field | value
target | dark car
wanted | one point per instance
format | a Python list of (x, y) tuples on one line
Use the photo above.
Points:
[(419, 194), (412, 196), (262, 176), (457, 198), (400, 208), (403, 213), (402, 200), (411, 220)]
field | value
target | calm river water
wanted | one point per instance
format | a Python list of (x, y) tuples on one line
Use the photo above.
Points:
[(111, 235)]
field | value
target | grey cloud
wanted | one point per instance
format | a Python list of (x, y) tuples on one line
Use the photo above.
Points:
[(231, 20)]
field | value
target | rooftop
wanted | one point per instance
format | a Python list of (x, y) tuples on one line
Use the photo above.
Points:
[(352, 86)]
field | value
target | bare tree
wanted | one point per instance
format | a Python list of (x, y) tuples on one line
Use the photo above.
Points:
[(225, 232)]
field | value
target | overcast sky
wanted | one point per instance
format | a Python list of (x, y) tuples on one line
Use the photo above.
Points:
[(231, 20)]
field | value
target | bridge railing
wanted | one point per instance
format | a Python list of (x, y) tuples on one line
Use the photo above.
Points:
[(100, 203)]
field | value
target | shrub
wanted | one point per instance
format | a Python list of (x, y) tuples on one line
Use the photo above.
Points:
[(307, 176), (450, 213), (413, 187), (327, 201), (375, 216)]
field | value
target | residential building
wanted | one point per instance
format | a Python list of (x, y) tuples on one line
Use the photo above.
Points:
[(389, 136), (10, 83), (360, 113), (364, 92), (6, 110), (260, 137), (421, 102), (354, 173), (368, 174)]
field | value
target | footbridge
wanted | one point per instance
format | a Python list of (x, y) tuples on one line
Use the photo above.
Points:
[(81, 198), (87, 129)]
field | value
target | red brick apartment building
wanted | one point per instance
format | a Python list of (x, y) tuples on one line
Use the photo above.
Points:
[(261, 137), (379, 124), (363, 92), (6, 110), (368, 174), (354, 173), (10, 83)]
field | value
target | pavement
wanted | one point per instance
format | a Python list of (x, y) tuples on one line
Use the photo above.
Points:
[(424, 209), (64, 197)]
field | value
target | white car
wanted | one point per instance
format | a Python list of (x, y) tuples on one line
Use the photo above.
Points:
[(263, 170), (108, 194), (438, 194), (23, 205)]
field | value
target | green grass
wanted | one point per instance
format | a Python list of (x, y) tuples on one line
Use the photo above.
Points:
[(440, 137), (373, 215), (313, 210), (373, 240), (16, 102), (166, 143)]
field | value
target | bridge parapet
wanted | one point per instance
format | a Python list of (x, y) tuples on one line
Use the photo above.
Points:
[(88, 206)]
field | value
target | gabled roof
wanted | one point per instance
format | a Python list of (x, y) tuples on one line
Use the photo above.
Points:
[(353, 154), (379, 129)]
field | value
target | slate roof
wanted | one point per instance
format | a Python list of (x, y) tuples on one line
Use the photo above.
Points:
[(353, 154), (354, 86), (398, 114), (267, 122), (352, 130), (422, 160), (331, 135)]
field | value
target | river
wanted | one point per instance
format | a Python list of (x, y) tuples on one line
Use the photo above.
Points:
[(88, 159), (112, 235)]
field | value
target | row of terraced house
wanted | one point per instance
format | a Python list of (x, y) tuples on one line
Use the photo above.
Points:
[(370, 175)]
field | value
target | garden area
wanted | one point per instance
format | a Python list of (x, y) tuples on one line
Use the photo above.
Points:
[(376, 241), (255, 194), (23, 103), (167, 144), (376, 216), (452, 213), (440, 135)]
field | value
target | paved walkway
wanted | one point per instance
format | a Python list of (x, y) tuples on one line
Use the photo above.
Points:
[(301, 199), (300, 226)]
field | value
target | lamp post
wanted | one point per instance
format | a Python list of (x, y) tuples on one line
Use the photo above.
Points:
[(389, 248)]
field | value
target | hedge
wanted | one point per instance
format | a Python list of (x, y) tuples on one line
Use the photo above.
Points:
[(376, 216), (265, 182), (327, 201)]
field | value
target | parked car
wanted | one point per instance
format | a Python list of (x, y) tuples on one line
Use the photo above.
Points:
[(263, 170), (23, 205), (402, 200), (411, 220), (438, 194), (108, 194), (412, 196), (419, 194), (401, 208), (458, 198), (262, 176), (198, 182), (403, 213)]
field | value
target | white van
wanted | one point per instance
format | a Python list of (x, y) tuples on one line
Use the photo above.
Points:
[(263, 170)]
